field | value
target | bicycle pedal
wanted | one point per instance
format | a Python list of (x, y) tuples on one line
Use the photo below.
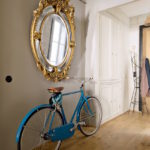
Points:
[(81, 123), (75, 126), (72, 129)]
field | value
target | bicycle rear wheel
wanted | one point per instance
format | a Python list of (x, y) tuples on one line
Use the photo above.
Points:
[(90, 116), (32, 136)]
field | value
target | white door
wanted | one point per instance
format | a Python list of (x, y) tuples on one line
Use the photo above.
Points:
[(111, 47)]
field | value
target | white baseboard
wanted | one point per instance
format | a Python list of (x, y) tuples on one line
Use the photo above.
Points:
[(108, 118)]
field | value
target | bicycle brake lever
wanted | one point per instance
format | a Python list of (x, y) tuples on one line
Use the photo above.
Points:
[(91, 78)]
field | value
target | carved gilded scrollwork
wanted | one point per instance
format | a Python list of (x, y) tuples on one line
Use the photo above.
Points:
[(66, 12)]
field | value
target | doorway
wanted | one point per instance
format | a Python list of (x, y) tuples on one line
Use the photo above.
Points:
[(144, 45)]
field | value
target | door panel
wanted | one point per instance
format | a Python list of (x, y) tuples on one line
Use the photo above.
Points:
[(112, 59)]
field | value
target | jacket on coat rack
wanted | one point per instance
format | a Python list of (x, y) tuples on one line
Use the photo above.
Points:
[(147, 66), (144, 80)]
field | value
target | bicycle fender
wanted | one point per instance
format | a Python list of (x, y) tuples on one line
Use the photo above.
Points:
[(78, 112), (25, 119)]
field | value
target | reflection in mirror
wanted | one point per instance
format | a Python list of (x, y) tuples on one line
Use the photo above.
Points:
[(54, 39)]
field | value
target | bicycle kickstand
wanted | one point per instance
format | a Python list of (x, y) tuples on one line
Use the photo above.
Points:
[(58, 145)]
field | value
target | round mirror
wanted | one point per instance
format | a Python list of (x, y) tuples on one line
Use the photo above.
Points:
[(54, 39)]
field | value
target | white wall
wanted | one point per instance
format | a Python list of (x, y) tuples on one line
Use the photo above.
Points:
[(135, 23), (29, 87), (92, 50), (114, 65), (100, 5), (92, 10)]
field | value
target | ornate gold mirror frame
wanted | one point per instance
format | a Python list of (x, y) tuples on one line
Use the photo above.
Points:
[(66, 12)]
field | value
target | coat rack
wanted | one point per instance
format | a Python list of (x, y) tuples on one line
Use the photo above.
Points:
[(134, 99)]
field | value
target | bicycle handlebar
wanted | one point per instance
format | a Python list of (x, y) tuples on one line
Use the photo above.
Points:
[(83, 81)]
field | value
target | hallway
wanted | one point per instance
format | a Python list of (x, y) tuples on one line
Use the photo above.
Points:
[(127, 132)]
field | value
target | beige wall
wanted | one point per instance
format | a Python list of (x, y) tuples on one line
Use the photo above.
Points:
[(29, 87), (146, 43)]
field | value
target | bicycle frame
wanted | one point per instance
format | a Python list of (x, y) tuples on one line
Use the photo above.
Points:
[(67, 130), (79, 105)]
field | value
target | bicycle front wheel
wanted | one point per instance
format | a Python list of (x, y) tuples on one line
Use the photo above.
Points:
[(32, 136), (90, 116)]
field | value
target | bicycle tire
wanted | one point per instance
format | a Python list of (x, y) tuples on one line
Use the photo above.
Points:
[(34, 129), (92, 122)]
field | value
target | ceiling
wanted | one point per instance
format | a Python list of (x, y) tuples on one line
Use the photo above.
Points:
[(136, 8)]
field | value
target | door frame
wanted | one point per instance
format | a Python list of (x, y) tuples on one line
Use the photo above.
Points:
[(141, 28)]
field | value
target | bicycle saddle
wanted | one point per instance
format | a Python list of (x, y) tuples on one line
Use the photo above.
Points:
[(55, 90)]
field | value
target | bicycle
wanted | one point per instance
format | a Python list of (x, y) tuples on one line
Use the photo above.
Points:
[(36, 132)]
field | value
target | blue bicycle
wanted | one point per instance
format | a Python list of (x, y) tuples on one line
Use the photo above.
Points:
[(45, 126)]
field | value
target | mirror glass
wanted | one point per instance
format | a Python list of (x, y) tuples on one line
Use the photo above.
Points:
[(54, 39)]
